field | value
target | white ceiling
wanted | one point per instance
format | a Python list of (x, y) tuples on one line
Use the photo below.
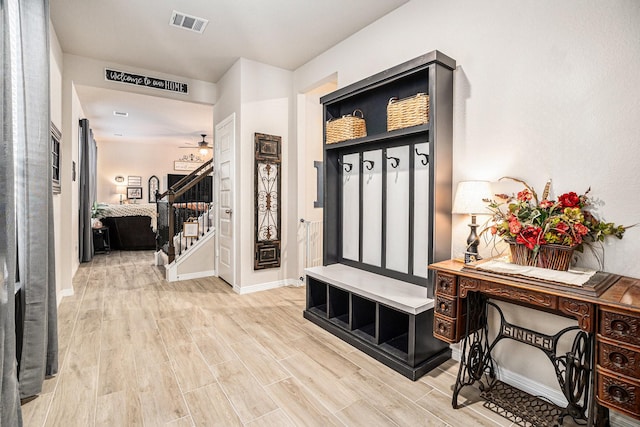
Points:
[(149, 121), (282, 33)]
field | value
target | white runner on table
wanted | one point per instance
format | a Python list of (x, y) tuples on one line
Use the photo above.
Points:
[(575, 276), (141, 209)]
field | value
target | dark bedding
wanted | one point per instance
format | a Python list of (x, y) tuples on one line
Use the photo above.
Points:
[(130, 233)]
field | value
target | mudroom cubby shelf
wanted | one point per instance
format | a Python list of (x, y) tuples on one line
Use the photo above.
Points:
[(387, 215), (383, 317), (381, 137)]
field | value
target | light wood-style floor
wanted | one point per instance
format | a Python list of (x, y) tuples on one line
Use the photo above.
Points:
[(138, 351)]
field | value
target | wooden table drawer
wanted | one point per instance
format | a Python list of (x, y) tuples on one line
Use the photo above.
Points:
[(444, 329), (619, 359), (618, 392), (620, 326), (446, 284), (446, 306)]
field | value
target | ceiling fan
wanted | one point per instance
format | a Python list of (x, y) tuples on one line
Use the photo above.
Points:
[(202, 146)]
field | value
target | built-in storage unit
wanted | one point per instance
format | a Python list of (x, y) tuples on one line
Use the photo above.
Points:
[(393, 327), (387, 212)]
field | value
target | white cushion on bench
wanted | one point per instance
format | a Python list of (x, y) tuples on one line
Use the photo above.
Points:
[(403, 296)]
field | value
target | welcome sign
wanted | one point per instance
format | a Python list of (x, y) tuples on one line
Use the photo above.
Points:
[(138, 80)]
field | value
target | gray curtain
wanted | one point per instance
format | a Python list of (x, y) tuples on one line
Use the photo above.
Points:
[(88, 154), (27, 199), (9, 397)]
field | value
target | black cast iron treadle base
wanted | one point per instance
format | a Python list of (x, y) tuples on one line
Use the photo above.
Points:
[(520, 407)]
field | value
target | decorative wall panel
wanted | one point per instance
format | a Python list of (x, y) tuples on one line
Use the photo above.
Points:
[(268, 157)]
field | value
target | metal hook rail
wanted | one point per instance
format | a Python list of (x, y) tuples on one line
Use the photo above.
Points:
[(424, 161), (395, 161), (348, 167)]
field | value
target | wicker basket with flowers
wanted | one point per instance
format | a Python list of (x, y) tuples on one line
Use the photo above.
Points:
[(543, 232)]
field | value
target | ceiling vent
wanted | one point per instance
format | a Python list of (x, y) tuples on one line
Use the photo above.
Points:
[(120, 114), (188, 22)]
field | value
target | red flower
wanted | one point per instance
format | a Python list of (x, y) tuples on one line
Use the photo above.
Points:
[(569, 200), (545, 204), (531, 237), (514, 225), (581, 229), (562, 228), (525, 195)]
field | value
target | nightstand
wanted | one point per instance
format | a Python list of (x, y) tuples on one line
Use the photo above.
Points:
[(101, 242)]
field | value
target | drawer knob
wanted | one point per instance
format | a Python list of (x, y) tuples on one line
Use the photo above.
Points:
[(618, 394), (441, 327), (618, 359), (444, 306), (444, 284), (620, 326)]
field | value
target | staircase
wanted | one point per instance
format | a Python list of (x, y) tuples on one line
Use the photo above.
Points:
[(185, 242)]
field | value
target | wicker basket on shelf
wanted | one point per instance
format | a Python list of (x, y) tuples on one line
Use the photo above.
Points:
[(554, 257), (411, 111), (347, 127)]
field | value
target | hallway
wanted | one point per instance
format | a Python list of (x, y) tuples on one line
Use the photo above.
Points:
[(136, 350)]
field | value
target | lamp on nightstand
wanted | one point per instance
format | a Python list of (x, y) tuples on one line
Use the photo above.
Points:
[(470, 199), (121, 190)]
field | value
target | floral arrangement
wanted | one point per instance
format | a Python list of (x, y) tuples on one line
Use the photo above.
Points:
[(566, 221)]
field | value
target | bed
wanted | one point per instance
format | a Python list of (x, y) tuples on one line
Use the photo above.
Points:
[(131, 227)]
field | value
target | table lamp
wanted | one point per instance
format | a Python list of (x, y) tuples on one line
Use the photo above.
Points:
[(470, 199), (121, 190)]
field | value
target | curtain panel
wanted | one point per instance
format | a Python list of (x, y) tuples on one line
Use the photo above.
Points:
[(9, 395), (26, 205), (88, 154)]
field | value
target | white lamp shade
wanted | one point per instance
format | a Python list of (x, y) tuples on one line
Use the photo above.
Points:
[(470, 196), (121, 189)]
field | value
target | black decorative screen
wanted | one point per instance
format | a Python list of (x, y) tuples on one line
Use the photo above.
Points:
[(267, 201)]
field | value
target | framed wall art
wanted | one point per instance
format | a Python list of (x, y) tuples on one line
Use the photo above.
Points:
[(134, 193), (134, 181), (154, 186), (190, 228)]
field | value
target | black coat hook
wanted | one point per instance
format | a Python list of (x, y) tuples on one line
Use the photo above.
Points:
[(347, 166), (394, 161), (424, 161), (368, 164)]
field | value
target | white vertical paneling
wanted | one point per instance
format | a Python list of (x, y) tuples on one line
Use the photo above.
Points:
[(397, 235), (372, 208), (421, 211), (350, 207)]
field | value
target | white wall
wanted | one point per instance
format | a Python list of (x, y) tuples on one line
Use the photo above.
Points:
[(67, 257), (55, 103), (543, 89), (266, 108), (261, 97), (228, 103)]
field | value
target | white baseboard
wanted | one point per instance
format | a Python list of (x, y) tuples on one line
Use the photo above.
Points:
[(618, 420), (265, 286), (160, 258), (63, 293), (520, 381), (173, 277)]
